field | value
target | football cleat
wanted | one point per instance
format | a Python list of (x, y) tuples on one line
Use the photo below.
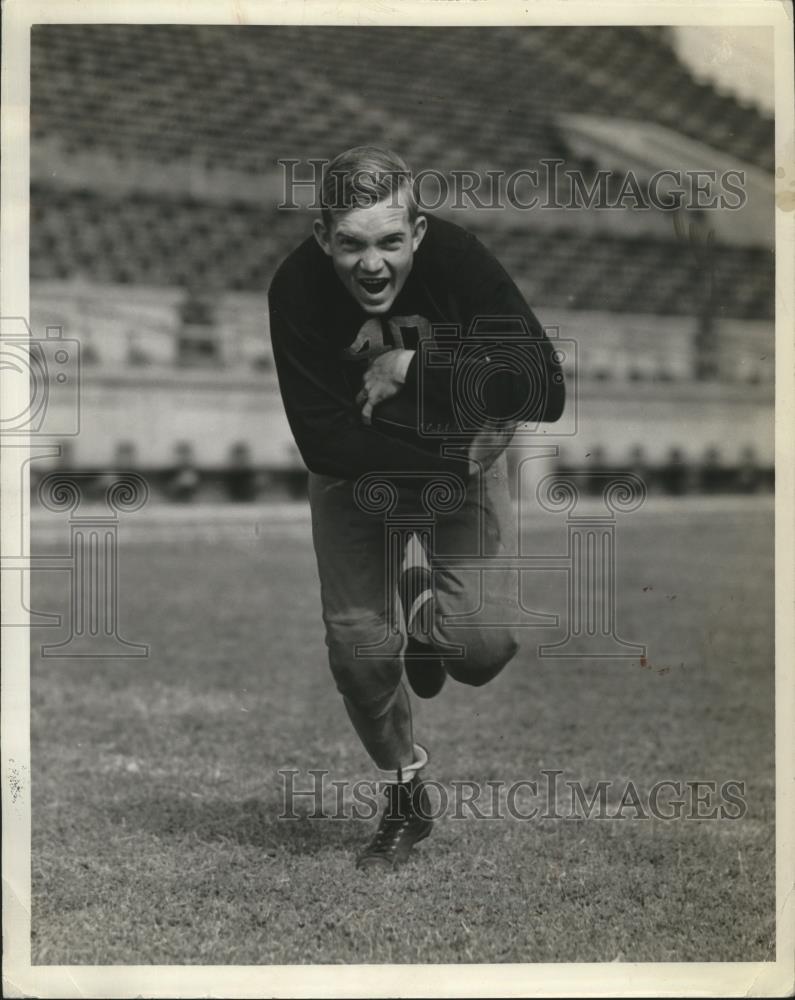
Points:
[(404, 822), (424, 668)]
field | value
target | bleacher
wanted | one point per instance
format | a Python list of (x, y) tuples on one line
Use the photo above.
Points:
[(245, 97), (216, 96), (121, 265), (151, 241)]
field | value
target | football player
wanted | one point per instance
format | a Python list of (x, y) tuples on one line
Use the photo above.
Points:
[(353, 310)]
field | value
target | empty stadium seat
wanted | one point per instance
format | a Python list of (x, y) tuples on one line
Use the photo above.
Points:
[(117, 86)]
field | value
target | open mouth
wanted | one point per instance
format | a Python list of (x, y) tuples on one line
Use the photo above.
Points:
[(373, 286)]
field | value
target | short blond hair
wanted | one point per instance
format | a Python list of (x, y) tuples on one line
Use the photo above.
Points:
[(362, 176)]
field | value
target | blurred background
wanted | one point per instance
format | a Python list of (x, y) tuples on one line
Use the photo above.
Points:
[(155, 230)]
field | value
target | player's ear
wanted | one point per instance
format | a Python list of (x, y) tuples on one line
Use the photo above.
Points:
[(323, 236), (419, 228)]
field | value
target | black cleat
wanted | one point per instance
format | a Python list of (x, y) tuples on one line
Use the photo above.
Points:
[(425, 670), (404, 822)]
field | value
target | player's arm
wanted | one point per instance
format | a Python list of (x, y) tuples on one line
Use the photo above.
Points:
[(325, 422), (486, 293), (502, 308)]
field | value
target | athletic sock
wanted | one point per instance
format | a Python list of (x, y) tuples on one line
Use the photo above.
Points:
[(416, 592), (407, 773)]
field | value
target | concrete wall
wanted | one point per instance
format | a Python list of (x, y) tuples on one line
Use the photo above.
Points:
[(212, 412), (158, 406)]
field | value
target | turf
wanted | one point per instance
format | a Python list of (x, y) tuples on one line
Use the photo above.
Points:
[(156, 798)]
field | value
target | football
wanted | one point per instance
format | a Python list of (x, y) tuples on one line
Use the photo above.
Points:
[(427, 425)]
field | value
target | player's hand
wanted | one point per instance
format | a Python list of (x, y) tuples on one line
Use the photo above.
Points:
[(383, 379)]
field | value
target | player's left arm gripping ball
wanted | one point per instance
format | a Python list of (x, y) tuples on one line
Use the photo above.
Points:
[(383, 379)]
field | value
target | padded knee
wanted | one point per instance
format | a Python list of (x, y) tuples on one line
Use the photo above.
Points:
[(368, 681), (486, 652)]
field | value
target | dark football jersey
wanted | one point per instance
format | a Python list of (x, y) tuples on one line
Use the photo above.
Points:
[(457, 307)]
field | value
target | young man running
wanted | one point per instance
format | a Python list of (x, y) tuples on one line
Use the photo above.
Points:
[(350, 309)]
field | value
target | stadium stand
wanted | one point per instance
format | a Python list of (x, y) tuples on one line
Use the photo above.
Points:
[(151, 241), (243, 96)]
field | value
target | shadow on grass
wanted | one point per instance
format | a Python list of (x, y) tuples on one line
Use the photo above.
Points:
[(248, 822)]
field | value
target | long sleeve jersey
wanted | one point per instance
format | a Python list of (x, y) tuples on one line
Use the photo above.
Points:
[(322, 339)]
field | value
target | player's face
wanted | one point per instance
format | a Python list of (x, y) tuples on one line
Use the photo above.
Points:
[(372, 250)]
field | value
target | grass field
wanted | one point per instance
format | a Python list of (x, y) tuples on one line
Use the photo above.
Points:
[(156, 836)]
